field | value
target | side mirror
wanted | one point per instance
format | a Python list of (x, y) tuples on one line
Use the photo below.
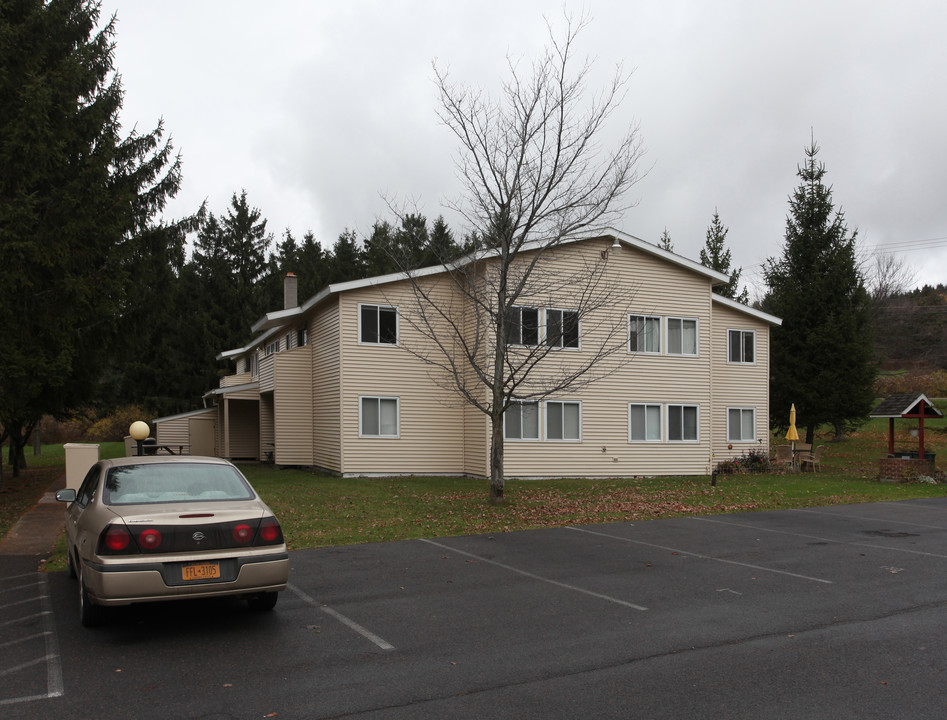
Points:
[(68, 495)]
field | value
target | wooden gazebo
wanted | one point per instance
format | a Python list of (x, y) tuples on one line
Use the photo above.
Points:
[(907, 406)]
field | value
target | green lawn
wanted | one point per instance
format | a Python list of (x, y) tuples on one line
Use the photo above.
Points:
[(319, 511)]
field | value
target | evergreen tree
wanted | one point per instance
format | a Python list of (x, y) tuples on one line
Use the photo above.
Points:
[(76, 203), (822, 352), (348, 260), (716, 256), (665, 242)]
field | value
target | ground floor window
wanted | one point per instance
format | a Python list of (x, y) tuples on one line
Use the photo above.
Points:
[(682, 423), (521, 421), (644, 423), (741, 424), (563, 420), (378, 417)]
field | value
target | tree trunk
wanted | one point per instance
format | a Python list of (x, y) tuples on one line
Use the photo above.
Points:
[(497, 480)]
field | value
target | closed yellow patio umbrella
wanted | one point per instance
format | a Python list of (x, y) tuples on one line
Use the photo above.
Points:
[(792, 434)]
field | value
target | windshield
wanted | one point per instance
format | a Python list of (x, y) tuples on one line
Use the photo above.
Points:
[(174, 482)]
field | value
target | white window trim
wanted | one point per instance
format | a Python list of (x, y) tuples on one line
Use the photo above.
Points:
[(667, 422), (272, 348), (380, 306), (742, 410), (539, 422), (742, 332), (545, 331), (646, 405), (660, 334), (397, 400), (545, 418), (667, 335)]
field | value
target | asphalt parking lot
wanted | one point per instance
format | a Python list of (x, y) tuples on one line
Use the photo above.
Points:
[(831, 612)]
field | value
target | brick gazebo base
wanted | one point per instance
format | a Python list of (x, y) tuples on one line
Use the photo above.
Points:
[(905, 469)]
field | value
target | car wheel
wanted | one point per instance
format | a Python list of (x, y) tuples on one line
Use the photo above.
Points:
[(90, 614), (70, 564), (262, 601)]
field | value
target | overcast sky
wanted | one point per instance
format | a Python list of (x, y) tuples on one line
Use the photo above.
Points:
[(318, 109)]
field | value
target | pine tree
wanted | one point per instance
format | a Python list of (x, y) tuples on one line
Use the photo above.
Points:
[(76, 202), (822, 352), (716, 256), (665, 242)]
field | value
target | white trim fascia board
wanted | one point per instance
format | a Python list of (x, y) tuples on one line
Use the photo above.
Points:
[(232, 388), (250, 346), (190, 413), (739, 307), (671, 257)]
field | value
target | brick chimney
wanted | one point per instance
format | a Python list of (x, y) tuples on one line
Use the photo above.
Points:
[(290, 284)]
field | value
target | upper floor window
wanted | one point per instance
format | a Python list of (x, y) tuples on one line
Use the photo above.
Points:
[(254, 365), (523, 326), (302, 337), (682, 336), (378, 324), (562, 328), (741, 345), (644, 333), (521, 421), (273, 347)]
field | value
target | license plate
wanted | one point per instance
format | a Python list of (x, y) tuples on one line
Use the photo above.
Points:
[(204, 571)]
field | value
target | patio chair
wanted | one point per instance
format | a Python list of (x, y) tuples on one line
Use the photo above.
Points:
[(783, 455), (814, 459)]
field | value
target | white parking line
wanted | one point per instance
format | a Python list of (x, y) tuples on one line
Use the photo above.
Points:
[(873, 546), (702, 556), (540, 578), (365, 633), (54, 683)]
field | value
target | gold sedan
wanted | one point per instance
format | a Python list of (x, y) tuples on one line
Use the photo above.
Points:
[(143, 529)]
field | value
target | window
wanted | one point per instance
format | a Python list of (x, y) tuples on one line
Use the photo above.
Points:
[(562, 328), (644, 423), (378, 325), (521, 421), (682, 423), (289, 341), (273, 347), (644, 333), (563, 421), (682, 336), (379, 417), (740, 345), (741, 424), (523, 328), (254, 365), (302, 337)]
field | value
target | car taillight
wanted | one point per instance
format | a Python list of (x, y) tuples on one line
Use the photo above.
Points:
[(116, 538), (243, 533), (270, 531), (149, 539)]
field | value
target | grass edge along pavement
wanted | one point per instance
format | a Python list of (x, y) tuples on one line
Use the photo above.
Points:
[(320, 511)]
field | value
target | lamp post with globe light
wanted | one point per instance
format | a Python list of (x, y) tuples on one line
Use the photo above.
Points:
[(139, 431)]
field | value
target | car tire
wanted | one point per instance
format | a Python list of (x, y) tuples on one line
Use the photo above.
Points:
[(262, 601), (90, 614), (71, 564)]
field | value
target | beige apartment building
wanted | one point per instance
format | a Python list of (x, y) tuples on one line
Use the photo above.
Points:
[(352, 381)]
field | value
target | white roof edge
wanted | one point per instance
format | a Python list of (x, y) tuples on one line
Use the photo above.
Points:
[(653, 249), (232, 388), (758, 314), (189, 413)]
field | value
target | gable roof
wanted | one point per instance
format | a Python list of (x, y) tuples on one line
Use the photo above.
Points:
[(280, 317), (901, 404), (739, 307)]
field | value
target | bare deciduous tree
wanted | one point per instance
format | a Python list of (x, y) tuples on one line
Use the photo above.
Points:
[(535, 176)]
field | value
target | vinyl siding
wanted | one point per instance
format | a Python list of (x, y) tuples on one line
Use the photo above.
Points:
[(324, 339), (737, 385), (294, 407), (431, 419)]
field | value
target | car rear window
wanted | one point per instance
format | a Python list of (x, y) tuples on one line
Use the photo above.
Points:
[(174, 482)]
